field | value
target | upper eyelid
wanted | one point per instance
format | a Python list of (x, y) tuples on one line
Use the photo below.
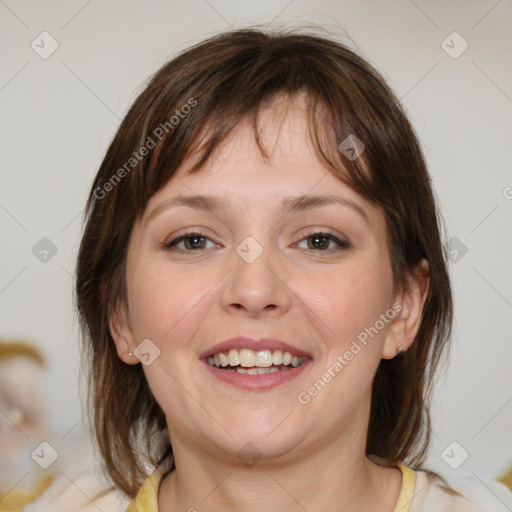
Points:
[(309, 232)]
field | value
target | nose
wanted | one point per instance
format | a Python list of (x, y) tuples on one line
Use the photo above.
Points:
[(257, 287)]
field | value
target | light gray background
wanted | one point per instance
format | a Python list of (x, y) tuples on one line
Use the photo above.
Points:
[(60, 113)]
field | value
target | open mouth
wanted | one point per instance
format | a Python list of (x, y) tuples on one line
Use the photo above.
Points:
[(252, 362)]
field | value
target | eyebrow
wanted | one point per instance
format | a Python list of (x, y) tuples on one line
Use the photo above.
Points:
[(289, 204)]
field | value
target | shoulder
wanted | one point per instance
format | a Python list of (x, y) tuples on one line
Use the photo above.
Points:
[(465, 494)]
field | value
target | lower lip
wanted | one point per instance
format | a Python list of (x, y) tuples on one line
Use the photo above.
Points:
[(256, 382)]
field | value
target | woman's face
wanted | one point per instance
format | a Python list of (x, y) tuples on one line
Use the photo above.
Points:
[(313, 274)]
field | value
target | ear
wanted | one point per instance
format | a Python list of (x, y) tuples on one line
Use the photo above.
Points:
[(406, 324), (122, 335)]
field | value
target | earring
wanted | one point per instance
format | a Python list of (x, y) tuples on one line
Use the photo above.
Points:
[(399, 351), (129, 354)]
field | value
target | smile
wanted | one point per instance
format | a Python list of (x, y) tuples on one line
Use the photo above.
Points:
[(250, 362)]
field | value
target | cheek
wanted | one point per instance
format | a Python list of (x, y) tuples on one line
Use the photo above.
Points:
[(159, 298), (353, 302), (350, 306), (168, 304)]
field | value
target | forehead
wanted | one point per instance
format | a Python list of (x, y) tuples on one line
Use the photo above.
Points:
[(277, 128), (238, 177), (277, 150), (276, 147), (293, 132)]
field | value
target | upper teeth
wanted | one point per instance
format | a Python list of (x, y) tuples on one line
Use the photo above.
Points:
[(249, 358)]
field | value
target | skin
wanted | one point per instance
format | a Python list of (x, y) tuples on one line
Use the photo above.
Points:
[(313, 455)]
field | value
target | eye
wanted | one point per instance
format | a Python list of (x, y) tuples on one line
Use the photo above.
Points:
[(192, 241), (320, 242), (195, 241)]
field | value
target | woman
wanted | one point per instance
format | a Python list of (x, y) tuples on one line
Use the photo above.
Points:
[(263, 290)]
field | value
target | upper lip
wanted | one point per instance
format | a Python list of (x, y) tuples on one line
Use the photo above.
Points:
[(240, 342)]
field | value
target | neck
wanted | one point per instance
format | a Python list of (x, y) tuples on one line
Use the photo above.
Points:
[(336, 476)]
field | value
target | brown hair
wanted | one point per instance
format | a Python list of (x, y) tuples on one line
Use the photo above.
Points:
[(208, 89)]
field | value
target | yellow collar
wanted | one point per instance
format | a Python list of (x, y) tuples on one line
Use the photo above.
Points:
[(407, 489)]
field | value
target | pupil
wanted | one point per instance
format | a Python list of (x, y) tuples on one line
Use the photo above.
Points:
[(317, 239), (195, 241)]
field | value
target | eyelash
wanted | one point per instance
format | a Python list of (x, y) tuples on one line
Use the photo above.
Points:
[(341, 244)]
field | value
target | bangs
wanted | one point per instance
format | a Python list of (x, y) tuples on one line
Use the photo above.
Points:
[(208, 135), (192, 115)]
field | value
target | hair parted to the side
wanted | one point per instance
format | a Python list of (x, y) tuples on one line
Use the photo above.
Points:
[(227, 79)]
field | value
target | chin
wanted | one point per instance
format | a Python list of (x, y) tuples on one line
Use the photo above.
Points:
[(266, 435)]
